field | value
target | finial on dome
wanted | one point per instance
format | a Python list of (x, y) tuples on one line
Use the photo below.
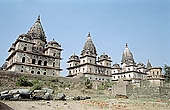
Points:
[(89, 35), (126, 45), (38, 19)]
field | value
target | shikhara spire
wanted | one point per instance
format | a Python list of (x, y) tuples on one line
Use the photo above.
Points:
[(31, 50), (36, 31), (127, 56), (89, 48), (148, 65)]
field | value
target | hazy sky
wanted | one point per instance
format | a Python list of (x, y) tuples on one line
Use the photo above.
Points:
[(143, 24)]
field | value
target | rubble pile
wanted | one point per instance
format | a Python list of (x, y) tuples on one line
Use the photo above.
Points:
[(43, 94)]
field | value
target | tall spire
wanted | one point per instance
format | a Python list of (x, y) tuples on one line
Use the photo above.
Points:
[(89, 48), (36, 31), (148, 65), (127, 56)]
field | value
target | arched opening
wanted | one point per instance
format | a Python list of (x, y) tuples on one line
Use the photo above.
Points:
[(54, 64), (25, 49), (45, 63), (129, 75), (32, 72), (38, 72), (33, 61), (44, 73), (39, 62), (54, 54), (22, 71), (23, 60)]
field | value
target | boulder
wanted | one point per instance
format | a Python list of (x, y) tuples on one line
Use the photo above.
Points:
[(60, 96), (4, 92), (6, 96), (19, 94), (48, 96), (20, 91), (81, 98), (50, 91), (38, 94)]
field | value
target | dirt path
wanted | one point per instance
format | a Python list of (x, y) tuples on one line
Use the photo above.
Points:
[(88, 105)]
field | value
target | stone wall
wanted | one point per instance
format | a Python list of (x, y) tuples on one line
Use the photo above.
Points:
[(146, 90), (122, 88)]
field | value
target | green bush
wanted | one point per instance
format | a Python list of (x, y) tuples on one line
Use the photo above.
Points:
[(88, 84), (23, 81), (37, 86), (102, 86), (35, 82), (105, 85)]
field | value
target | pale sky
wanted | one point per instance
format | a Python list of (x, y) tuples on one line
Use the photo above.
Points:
[(143, 24)]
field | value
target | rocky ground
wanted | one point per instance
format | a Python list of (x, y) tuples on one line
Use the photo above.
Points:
[(101, 99), (92, 104)]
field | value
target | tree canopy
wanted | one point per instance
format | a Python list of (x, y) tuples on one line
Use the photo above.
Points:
[(167, 73)]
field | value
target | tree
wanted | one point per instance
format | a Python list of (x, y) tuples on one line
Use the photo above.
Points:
[(167, 73)]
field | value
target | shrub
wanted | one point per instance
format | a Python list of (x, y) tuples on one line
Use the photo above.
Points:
[(105, 85), (88, 84), (35, 82), (37, 86), (23, 81), (102, 86)]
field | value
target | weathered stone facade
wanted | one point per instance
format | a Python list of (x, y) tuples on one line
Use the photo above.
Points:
[(130, 70), (101, 69), (32, 54), (89, 65)]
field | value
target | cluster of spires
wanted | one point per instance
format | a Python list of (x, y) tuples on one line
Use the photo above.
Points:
[(89, 47)]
